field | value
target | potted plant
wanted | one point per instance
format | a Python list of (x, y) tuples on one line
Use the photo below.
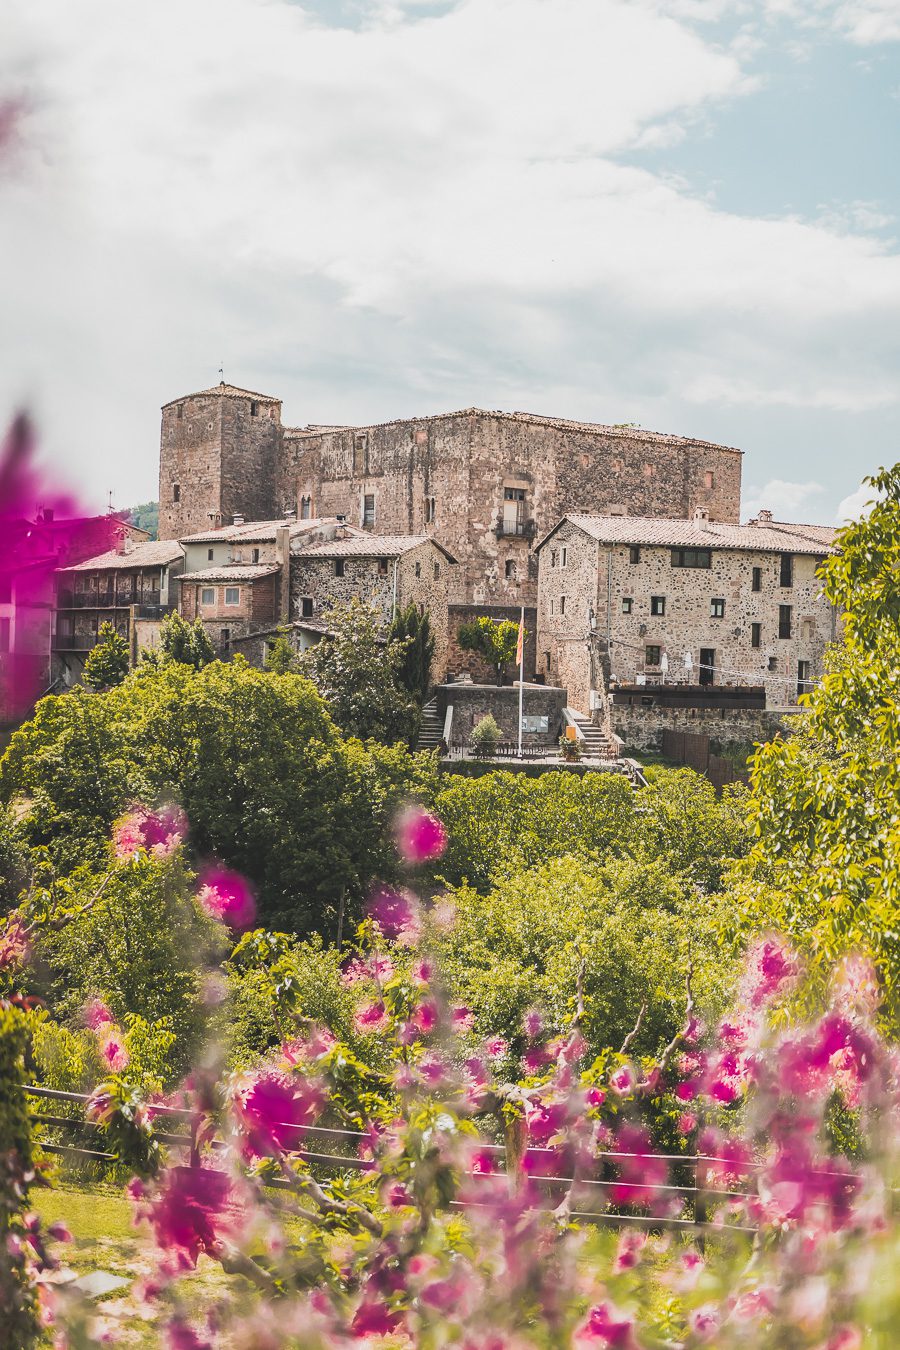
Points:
[(569, 748)]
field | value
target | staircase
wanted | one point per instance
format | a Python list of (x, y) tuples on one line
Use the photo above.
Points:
[(431, 728), (597, 744)]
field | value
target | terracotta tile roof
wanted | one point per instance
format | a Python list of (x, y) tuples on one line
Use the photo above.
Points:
[(258, 531), (363, 545), (254, 572), (223, 390), (621, 432), (152, 553), (773, 536)]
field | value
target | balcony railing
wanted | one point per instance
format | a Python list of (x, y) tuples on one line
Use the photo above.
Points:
[(106, 599), (511, 529)]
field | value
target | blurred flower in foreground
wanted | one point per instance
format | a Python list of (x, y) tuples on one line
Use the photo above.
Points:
[(157, 832), (227, 896), (421, 837)]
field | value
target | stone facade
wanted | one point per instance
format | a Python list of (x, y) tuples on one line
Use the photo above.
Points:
[(387, 572), (471, 702), (462, 662), (641, 725), (231, 602), (688, 601), (483, 484)]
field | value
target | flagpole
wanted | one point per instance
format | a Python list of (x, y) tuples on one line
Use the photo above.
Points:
[(521, 673)]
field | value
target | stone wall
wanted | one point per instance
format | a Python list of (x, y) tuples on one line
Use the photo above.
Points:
[(461, 662), (641, 728), (461, 465), (472, 702), (256, 608)]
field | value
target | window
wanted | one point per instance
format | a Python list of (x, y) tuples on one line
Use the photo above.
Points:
[(755, 634), (691, 557), (4, 635), (359, 454), (256, 555), (787, 570), (658, 605), (208, 595), (634, 554), (513, 510), (546, 660), (756, 584), (180, 411), (627, 604), (306, 508), (382, 567), (254, 409), (804, 677), (338, 567), (707, 665), (209, 554), (509, 568), (5, 590), (773, 663), (224, 637), (418, 569), (176, 492), (564, 557), (709, 479), (551, 606), (652, 655), (437, 570), (717, 609), (562, 604), (784, 621), (429, 510), (232, 595), (368, 509), (306, 606)]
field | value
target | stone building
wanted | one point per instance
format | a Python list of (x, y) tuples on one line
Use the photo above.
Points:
[(131, 586), (482, 484), (637, 601), (388, 572)]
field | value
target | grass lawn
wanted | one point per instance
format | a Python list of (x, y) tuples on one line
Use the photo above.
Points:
[(104, 1239)]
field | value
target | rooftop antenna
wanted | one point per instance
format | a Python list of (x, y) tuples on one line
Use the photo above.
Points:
[(221, 372), (109, 502)]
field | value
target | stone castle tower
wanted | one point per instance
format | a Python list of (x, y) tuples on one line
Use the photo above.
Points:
[(218, 454)]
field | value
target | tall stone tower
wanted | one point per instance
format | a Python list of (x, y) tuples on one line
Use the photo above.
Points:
[(217, 459)]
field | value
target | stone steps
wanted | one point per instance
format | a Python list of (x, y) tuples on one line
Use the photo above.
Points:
[(431, 728), (597, 745)]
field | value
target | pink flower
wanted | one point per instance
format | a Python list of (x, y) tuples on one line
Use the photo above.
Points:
[(227, 896), (374, 1319), (483, 1163), (157, 832), (421, 837), (181, 1336), (770, 966), (704, 1321), (95, 1014), (188, 1212), (463, 1020), (687, 1123), (495, 1047), (532, 1023), (623, 1080), (274, 1109), (423, 972), (641, 1173), (425, 1018), (15, 948), (112, 1047), (544, 1120), (370, 1018), (631, 1246), (856, 983), (607, 1326), (536, 1058), (396, 914)]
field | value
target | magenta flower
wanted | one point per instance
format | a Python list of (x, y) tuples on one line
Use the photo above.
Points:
[(856, 984), (15, 947), (188, 1213), (704, 1321), (228, 897), (95, 1014), (532, 1023), (396, 914), (421, 837), (273, 1110), (630, 1250), (370, 1018), (482, 1163), (495, 1047), (623, 1080), (771, 965), (112, 1047), (374, 1319), (463, 1020), (606, 1326), (425, 1018), (156, 832), (641, 1173)]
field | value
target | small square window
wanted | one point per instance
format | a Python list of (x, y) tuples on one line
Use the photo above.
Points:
[(562, 604), (338, 567), (717, 609), (209, 554), (176, 492), (709, 479), (563, 557), (382, 567), (208, 595), (658, 605), (627, 604), (368, 510), (418, 569), (634, 554), (256, 555), (757, 579), (254, 409), (509, 568), (232, 595), (306, 606), (755, 634), (652, 655), (786, 570), (437, 570), (773, 663)]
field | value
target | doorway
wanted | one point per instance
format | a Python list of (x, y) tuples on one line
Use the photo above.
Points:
[(707, 665)]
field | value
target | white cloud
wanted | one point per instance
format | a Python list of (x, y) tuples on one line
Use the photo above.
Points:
[(394, 215), (856, 505), (786, 501), (869, 21)]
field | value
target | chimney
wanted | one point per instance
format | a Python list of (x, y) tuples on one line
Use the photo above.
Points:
[(764, 518), (341, 531), (121, 536), (237, 520), (283, 558), (701, 518), (290, 514)]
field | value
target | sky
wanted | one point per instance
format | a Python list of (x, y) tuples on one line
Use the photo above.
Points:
[(679, 213)]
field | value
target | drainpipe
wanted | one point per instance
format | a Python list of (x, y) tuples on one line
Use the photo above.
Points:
[(608, 607), (394, 597)]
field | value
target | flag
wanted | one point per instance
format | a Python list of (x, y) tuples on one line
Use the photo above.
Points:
[(520, 641)]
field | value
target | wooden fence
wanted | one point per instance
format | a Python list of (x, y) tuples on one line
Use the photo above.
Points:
[(692, 749)]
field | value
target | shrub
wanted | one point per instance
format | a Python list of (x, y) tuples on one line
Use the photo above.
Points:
[(486, 736)]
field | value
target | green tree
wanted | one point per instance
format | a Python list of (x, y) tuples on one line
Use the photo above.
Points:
[(826, 801), (357, 672), (414, 670), (107, 663), (281, 659), (495, 640), (187, 643)]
